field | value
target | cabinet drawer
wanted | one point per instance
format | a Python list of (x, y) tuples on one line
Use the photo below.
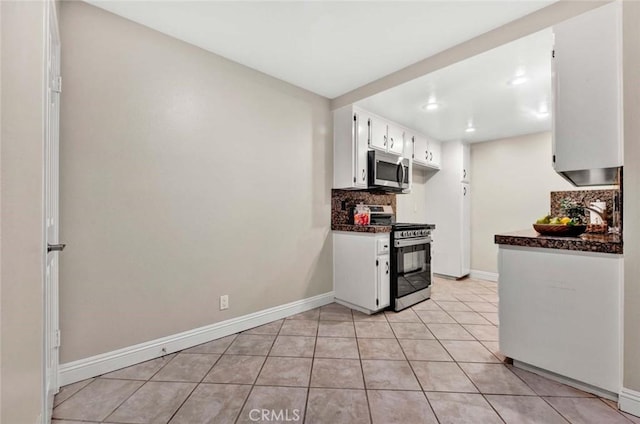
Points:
[(383, 247)]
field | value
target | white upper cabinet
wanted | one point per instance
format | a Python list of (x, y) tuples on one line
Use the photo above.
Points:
[(435, 153), (587, 89), (350, 146), (426, 152), (378, 134), (386, 136), (395, 139)]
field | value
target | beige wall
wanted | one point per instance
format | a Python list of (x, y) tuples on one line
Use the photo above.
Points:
[(21, 175), (631, 51), (511, 181), (184, 176)]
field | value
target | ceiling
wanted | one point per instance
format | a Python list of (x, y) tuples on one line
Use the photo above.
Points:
[(329, 48), (478, 90)]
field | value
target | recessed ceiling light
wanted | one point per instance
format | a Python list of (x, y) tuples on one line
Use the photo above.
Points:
[(542, 115), (517, 80), (470, 128), (431, 104), (543, 111)]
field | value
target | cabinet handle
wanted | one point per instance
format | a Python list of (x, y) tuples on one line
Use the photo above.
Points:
[(464, 191), (413, 147), (464, 173), (387, 266), (431, 156), (385, 140), (363, 174), (392, 142)]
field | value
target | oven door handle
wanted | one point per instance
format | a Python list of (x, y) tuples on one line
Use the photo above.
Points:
[(412, 242)]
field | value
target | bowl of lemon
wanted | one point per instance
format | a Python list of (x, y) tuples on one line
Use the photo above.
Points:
[(559, 226)]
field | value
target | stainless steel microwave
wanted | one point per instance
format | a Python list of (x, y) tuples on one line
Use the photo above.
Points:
[(388, 172)]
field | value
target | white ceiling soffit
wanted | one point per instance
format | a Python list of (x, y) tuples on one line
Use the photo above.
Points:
[(478, 91), (329, 48)]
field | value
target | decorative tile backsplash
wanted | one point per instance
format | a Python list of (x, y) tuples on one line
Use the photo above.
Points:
[(585, 197), (343, 201)]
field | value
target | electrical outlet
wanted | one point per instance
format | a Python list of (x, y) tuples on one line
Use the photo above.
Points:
[(224, 302)]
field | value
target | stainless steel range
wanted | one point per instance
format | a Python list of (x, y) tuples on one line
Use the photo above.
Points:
[(410, 264)]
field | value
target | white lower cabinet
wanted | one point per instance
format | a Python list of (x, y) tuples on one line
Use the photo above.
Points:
[(362, 270), (560, 311)]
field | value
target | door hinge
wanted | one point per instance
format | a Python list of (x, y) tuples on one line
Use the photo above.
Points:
[(57, 84), (377, 303), (377, 262), (57, 339), (554, 158)]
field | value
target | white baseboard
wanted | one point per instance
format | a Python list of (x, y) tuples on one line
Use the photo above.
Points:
[(629, 401), (111, 361), (483, 275)]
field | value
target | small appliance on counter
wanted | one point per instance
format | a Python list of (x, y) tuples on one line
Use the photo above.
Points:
[(361, 215), (377, 214)]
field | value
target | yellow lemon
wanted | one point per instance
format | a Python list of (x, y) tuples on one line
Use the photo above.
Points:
[(565, 220)]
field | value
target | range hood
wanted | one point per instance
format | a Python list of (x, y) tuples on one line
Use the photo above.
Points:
[(594, 177)]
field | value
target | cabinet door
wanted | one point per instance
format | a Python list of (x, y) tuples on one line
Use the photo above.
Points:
[(378, 134), (421, 151), (360, 144), (465, 176), (395, 139), (435, 153), (383, 292), (409, 145), (587, 106), (465, 225)]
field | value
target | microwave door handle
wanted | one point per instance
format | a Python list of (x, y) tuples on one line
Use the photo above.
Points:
[(398, 169), (401, 180)]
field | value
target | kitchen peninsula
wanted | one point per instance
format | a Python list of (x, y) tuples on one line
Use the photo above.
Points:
[(560, 307)]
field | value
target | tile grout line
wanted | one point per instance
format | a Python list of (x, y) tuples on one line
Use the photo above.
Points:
[(411, 366), (364, 380), (77, 391), (469, 378), (313, 360), (140, 387), (197, 384), (253, 385)]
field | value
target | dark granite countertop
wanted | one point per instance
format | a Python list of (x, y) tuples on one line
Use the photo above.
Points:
[(361, 228), (602, 243)]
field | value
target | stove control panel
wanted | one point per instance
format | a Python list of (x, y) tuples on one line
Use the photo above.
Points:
[(411, 233)]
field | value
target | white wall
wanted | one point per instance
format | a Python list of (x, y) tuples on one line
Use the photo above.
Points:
[(184, 176), (412, 207), (511, 182), (21, 190)]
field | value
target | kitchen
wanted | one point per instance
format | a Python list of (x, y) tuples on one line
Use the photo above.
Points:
[(133, 200)]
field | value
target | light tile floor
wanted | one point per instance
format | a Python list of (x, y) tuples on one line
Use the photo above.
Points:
[(437, 362)]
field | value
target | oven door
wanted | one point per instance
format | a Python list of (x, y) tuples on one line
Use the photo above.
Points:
[(411, 266), (388, 172)]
